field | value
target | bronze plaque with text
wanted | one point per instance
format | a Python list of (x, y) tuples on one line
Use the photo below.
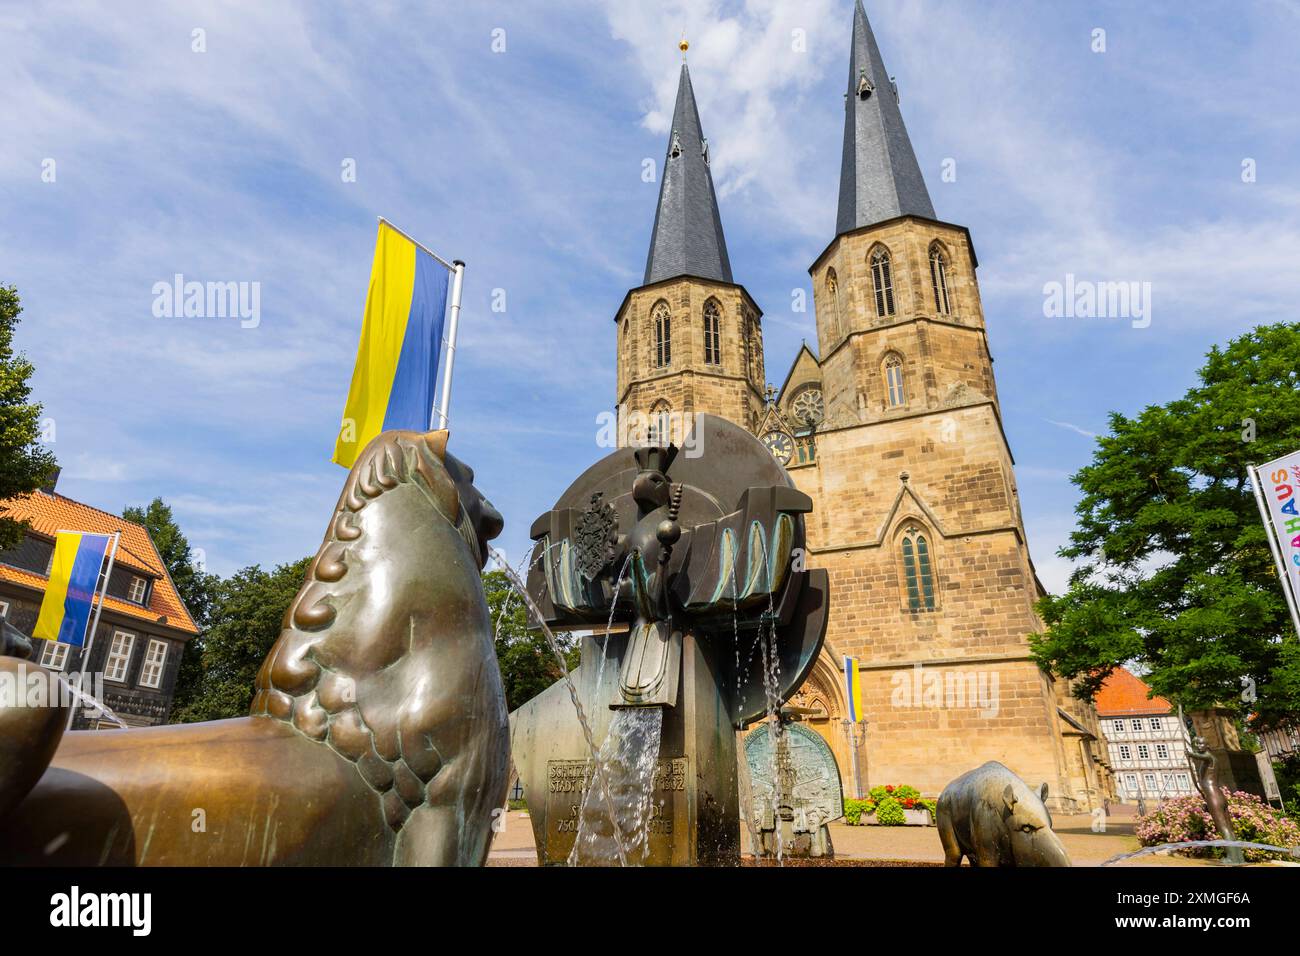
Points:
[(567, 784)]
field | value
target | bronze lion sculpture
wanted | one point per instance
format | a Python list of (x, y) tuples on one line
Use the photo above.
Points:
[(378, 734)]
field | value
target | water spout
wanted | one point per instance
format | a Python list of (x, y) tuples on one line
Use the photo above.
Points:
[(598, 773)]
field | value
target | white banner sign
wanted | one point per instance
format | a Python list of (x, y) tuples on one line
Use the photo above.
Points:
[(1279, 484)]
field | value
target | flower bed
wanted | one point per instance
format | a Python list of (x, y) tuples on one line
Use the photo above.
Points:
[(891, 806), (1187, 818)]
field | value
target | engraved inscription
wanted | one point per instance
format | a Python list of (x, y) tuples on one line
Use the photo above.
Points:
[(568, 782)]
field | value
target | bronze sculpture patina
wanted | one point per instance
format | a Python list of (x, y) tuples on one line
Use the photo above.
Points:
[(1205, 772), (790, 809), (697, 562), (378, 733), (992, 818)]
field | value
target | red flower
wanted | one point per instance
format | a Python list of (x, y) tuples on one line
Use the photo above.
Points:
[(909, 803), (889, 788)]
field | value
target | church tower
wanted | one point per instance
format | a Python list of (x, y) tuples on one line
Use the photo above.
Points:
[(689, 338), (916, 515), (900, 326)]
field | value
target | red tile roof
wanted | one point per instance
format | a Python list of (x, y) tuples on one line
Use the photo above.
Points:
[(1126, 694), (49, 513)]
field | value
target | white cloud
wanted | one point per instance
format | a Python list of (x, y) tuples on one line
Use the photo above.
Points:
[(750, 70), (1071, 427)]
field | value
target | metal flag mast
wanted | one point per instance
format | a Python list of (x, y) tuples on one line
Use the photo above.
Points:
[(457, 269), (89, 641), (1273, 546), (445, 401)]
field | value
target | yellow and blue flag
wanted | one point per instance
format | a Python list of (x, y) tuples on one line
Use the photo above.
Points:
[(401, 340), (853, 689), (74, 578)]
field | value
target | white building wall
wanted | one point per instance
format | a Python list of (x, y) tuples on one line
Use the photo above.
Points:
[(1148, 755)]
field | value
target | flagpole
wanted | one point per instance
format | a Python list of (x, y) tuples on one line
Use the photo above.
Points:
[(851, 732), (89, 642), (445, 401), (1272, 546), (450, 266)]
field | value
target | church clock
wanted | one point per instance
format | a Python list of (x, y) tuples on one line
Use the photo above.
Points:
[(780, 445)]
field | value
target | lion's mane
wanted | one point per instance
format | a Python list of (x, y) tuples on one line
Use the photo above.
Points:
[(390, 745)]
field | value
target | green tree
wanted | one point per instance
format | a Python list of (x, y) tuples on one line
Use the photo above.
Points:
[(243, 624), (1175, 572), (193, 584), (528, 666), (25, 465)]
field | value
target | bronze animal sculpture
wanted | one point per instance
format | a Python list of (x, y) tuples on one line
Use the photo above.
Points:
[(378, 734), (992, 818)]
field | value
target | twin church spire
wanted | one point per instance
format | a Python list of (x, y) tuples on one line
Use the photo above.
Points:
[(880, 178), (687, 237)]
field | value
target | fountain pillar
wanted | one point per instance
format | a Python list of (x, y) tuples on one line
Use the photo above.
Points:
[(715, 623)]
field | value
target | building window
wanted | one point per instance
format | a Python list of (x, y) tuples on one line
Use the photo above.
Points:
[(1125, 753), (939, 279), (1167, 782), (1132, 781), (154, 659), (883, 281), (1119, 726), (4, 608), (712, 333), (55, 655), (119, 656), (1184, 782), (1137, 725), (660, 418), (663, 335), (894, 380), (1144, 752), (1162, 751), (1155, 723), (833, 304), (917, 571), (138, 588), (1149, 781), (808, 408)]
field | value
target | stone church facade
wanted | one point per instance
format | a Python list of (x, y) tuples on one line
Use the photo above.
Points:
[(893, 428)]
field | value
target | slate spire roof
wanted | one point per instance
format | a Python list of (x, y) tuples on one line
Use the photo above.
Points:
[(687, 237), (879, 176)]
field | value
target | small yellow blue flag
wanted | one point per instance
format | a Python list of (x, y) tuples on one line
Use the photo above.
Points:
[(401, 340), (853, 689), (74, 578)]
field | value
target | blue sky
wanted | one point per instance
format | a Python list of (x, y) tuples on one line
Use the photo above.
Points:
[(225, 165)]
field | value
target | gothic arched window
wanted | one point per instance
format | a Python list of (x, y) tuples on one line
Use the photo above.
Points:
[(712, 333), (893, 366), (662, 321), (660, 419), (883, 280), (833, 303), (939, 279), (918, 574)]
